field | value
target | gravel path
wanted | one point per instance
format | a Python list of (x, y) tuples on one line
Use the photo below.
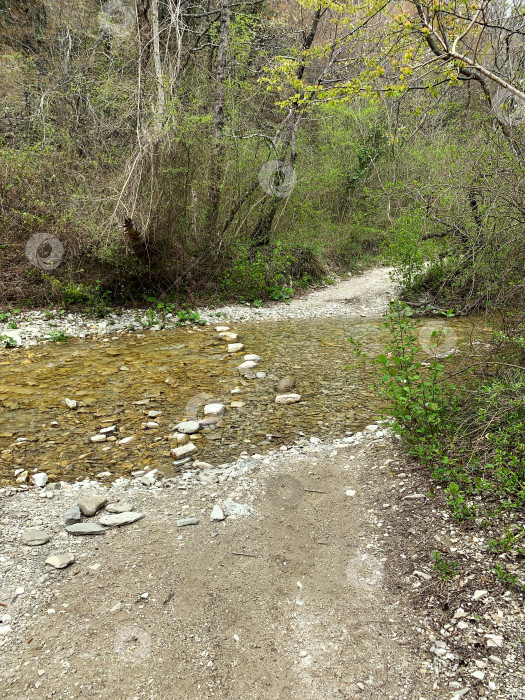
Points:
[(361, 295)]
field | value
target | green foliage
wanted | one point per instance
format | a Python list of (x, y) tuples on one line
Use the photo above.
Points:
[(507, 578), (7, 342), (445, 569), (58, 336), (259, 274)]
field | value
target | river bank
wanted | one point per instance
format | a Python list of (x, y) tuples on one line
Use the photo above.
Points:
[(365, 295)]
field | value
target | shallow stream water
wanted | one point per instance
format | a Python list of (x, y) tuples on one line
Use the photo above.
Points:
[(177, 371)]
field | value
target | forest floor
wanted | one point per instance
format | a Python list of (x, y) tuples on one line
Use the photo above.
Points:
[(319, 581)]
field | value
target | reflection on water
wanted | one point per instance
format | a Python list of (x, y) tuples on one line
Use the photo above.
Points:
[(176, 371)]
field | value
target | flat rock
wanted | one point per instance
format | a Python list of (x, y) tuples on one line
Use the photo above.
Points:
[(109, 429), (214, 409), (98, 438), (72, 516), (125, 440), (35, 537), (287, 398), (71, 403), (285, 385), (118, 519), (60, 561), (202, 465), (188, 427), (252, 358), (235, 347), (85, 529), (90, 504), (40, 479), (222, 329), (119, 507), (182, 522), (184, 450), (217, 513)]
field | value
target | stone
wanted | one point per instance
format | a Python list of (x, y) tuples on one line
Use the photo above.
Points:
[(372, 428), (5, 629), (217, 513), (286, 385), (85, 529), (118, 519), (72, 516), (22, 477), (150, 425), (202, 465), (229, 337), (98, 438), (89, 503), (479, 594), (184, 450), (246, 366), (287, 398), (222, 329), (235, 347), (237, 510), (252, 358), (351, 492), (188, 427), (71, 403), (214, 409), (125, 440), (154, 414), (119, 507), (209, 422), (40, 479), (109, 429), (182, 522), (35, 537), (260, 375), (181, 438), (60, 561)]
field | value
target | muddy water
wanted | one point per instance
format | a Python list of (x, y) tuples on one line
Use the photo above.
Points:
[(177, 371)]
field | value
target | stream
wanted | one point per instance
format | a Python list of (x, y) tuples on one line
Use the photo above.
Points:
[(116, 381)]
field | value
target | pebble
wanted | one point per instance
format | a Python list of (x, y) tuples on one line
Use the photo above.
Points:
[(118, 519), (247, 366), (72, 516), (479, 594), (125, 440), (222, 329), (214, 409), (85, 529), (217, 513), (33, 538), (287, 398), (40, 479), (60, 561), (154, 414), (202, 465), (184, 450), (150, 425), (229, 337), (90, 504), (98, 438), (285, 385), (71, 403), (188, 427), (109, 429), (252, 358)]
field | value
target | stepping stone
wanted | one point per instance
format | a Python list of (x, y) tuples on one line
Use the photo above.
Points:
[(184, 450), (214, 409), (119, 519), (287, 398), (40, 479), (229, 337), (119, 507), (85, 529), (235, 347), (33, 538), (188, 427)]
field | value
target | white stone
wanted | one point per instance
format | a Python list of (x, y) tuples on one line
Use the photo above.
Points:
[(188, 427), (125, 440), (252, 358), (214, 409), (287, 398), (184, 450), (229, 337), (235, 347), (350, 492), (118, 519), (372, 428), (99, 438), (154, 414), (5, 629), (183, 522), (60, 561), (247, 366), (479, 594), (222, 329), (40, 479), (217, 513), (71, 403), (109, 429), (150, 425)]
